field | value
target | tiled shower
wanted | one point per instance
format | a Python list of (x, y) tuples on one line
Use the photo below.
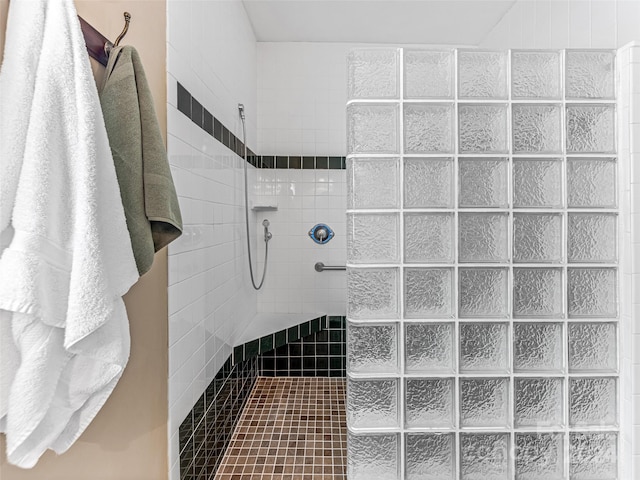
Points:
[(483, 283)]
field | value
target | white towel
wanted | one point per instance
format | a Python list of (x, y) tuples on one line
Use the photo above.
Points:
[(69, 260), (16, 95)]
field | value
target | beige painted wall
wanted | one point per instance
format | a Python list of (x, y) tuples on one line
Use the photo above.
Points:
[(128, 438)]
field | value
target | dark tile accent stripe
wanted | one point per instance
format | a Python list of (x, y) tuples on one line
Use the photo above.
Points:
[(199, 115), (206, 431), (321, 353), (322, 162), (336, 163), (295, 162), (282, 162), (277, 339), (207, 124), (217, 129), (308, 163), (184, 100)]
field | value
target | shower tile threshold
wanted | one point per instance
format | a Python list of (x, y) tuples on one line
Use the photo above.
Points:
[(291, 428)]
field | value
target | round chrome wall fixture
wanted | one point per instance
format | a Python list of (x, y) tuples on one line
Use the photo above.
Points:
[(321, 234)]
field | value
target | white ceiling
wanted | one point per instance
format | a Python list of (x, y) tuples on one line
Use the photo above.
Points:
[(452, 22)]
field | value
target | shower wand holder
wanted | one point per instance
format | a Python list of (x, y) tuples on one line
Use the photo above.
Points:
[(264, 208)]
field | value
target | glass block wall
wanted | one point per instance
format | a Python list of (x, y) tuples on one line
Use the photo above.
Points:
[(482, 265)]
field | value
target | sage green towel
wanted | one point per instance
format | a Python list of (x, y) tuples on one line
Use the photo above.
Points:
[(146, 187)]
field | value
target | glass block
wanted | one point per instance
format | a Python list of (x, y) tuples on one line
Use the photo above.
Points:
[(483, 292), (536, 129), (428, 74), (430, 456), (537, 238), (373, 238), (484, 402), (482, 129), (593, 456), (593, 347), (482, 74), (372, 293), (592, 238), (372, 456), (429, 348), (372, 128), (373, 73), (483, 182), (538, 402), (593, 292), (591, 129), (540, 456), (428, 183), (537, 292), (428, 237), (484, 456), (482, 237), (428, 128), (428, 292), (372, 403), (535, 74), (484, 347), (537, 183), (591, 182), (373, 183), (590, 74), (537, 347), (593, 402), (429, 403), (372, 348)]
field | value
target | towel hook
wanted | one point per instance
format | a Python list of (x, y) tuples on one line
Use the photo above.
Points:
[(108, 46), (127, 19)]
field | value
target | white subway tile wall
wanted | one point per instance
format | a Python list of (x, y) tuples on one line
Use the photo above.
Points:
[(212, 53), (304, 198), (301, 97), (542, 24), (629, 174)]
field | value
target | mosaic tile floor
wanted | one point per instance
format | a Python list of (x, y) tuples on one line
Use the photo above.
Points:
[(291, 428)]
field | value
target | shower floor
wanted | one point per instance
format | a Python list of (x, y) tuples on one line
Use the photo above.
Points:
[(291, 428)]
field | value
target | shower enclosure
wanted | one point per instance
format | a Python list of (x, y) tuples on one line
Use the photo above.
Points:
[(483, 283)]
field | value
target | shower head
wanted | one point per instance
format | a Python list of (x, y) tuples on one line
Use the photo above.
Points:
[(241, 110)]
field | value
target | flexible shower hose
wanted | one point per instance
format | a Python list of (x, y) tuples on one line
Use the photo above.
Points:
[(267, 235)]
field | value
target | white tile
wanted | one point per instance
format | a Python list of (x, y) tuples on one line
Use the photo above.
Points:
[(514, 19), (174, 448), (528, 24), (636, 346), (174, 473), (559, 14), (579, 25), (628, 14), (603, 24), (542, 19)]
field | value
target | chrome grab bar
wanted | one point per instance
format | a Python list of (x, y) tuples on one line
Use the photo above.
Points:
[(321, 267)]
